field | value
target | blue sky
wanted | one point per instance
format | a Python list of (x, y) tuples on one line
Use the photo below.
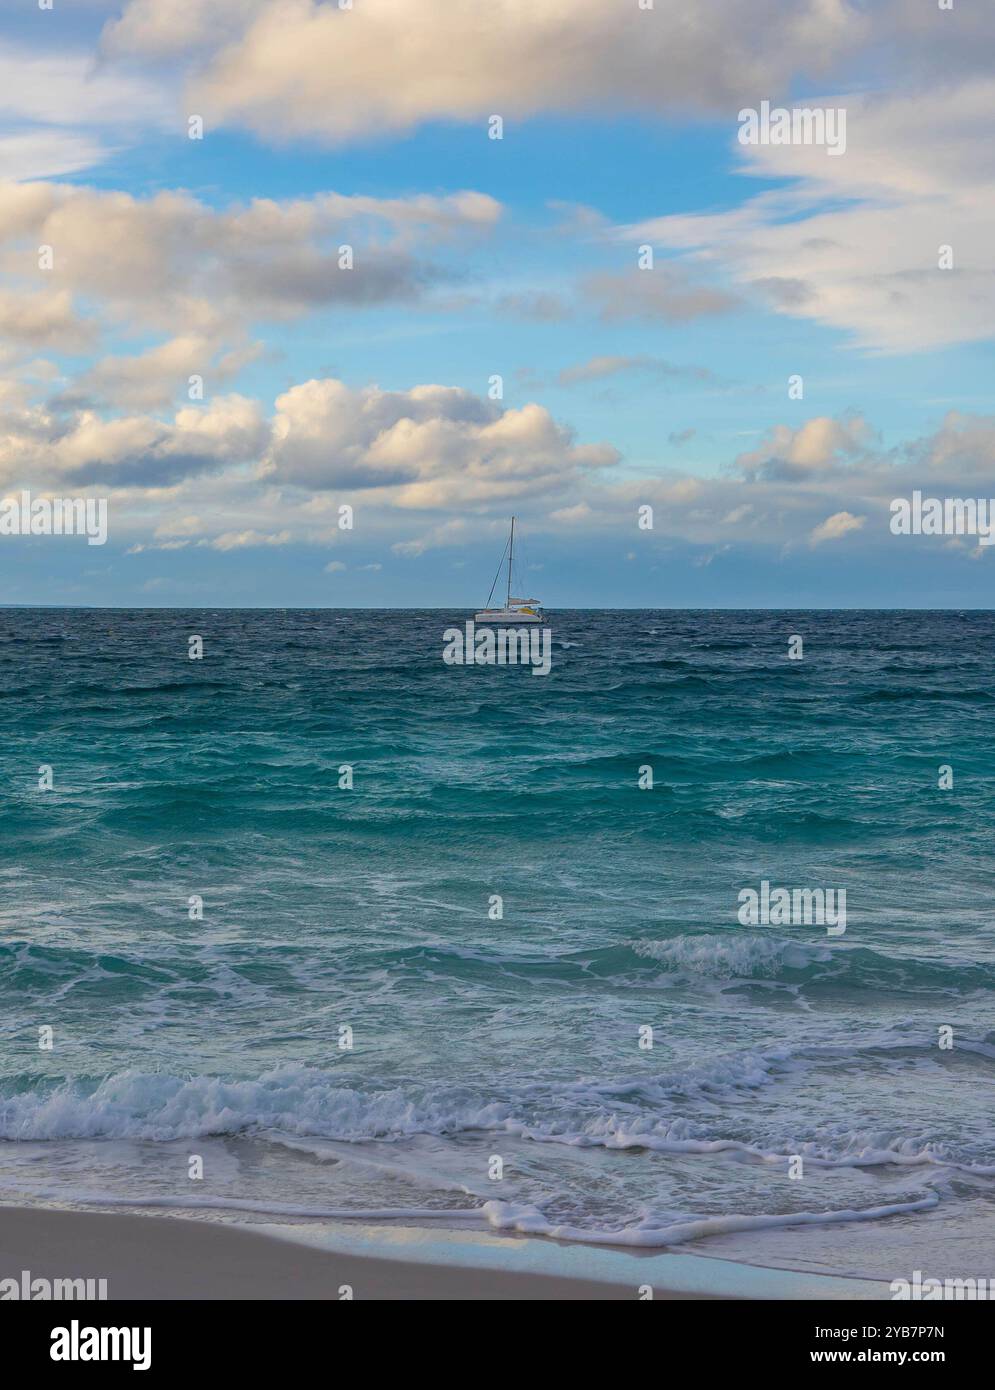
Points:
[(475, 258)]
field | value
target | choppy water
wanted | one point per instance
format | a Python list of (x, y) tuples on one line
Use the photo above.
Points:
[(515, 1038)]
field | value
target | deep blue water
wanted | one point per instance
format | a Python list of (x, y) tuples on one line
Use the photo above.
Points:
[(517, 1038)]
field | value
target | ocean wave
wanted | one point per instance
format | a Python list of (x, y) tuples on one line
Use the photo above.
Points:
[(530, 1220), (734, 956), (646, 1231), (729, 956), (665, 1112), (740, 956)]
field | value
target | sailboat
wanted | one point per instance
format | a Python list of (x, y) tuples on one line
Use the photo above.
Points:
[(515, 610)]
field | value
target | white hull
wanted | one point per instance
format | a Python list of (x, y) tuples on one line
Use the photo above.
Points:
[(511, 616)]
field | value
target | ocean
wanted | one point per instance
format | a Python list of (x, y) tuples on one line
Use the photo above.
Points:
[(497, 983)]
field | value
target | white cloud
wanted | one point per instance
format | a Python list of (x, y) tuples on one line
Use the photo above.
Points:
[(204, 276), (43, 319), (835, 527), (818, 445), (248, 540), (432, 446), (44, 153), (158, 30), (292, 67), (66, 88), (844, 482), (455, 531), (571, 515), (63, 113), (152, 379), (171, 261), (37, 443), (854, 243)]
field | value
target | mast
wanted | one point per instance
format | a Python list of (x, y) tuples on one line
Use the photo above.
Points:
[(511, 551)]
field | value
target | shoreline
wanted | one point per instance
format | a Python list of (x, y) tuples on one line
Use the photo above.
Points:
[(174, 1258), (177, 1258)]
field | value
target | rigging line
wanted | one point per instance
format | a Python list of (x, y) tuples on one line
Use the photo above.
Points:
[(497, 576)]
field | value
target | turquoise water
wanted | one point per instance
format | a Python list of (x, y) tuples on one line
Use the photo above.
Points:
[(474, 1038)]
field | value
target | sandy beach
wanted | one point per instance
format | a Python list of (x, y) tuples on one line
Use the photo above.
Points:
[(145, 1257)]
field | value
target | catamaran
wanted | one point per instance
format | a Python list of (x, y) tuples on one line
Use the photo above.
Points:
[(515, 610)]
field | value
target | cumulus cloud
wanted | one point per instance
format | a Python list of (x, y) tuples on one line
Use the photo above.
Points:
[(225, 477), (150, 380), (277, 480), (817, 446), (430, 446), (286, 68), (961, 453), (296, 67), (814, 483), (173, 262), (205, 277), (43, 319), (38, 444), (155, 29)]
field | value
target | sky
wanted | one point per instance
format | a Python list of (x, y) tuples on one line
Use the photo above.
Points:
[(344, 301)]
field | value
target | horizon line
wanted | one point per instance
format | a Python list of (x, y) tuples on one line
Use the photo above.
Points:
[(445, 608)]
